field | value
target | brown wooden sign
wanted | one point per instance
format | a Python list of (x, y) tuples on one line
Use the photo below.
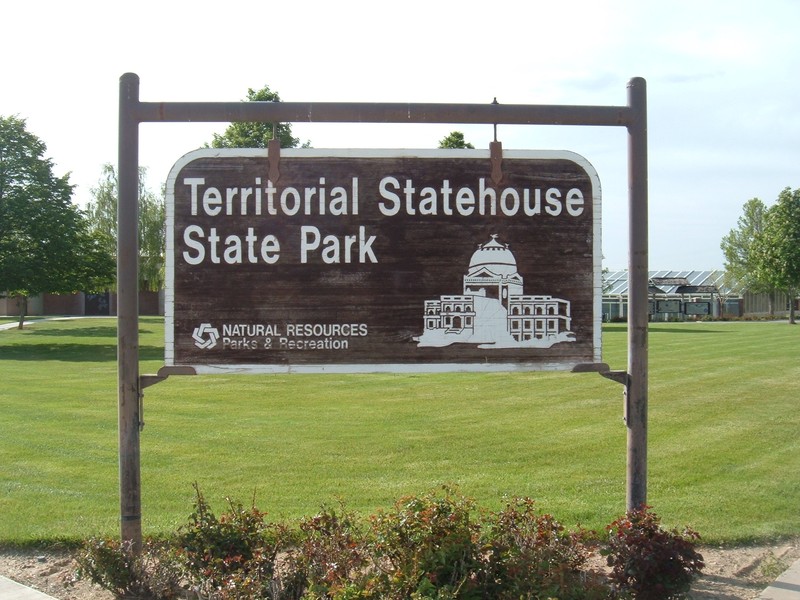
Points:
[(373, 260)]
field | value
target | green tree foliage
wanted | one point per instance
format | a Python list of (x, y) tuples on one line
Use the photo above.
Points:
[(102, 212), (46, 245), (737, 248), (256, 134), (762, 254), (777, 249), (455, 139)]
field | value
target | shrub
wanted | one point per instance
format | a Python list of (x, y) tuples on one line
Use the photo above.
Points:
[(426, 547), (333, 556), (235, 553), (109, 564), (649, 563), (114, 566), (528, 555)]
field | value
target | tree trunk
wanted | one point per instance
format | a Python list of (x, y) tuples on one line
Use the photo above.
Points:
[(22, 303), (792, 301)]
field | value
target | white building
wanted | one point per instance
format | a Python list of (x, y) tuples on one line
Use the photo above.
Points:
[(493, 311)]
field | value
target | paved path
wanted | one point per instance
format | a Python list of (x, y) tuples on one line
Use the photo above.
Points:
[(15, 324), (11, 590), (785, 587)]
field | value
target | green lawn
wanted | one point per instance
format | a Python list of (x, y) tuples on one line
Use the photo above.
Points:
[(724, 455)]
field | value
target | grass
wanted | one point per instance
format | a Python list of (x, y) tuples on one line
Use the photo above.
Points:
[(723, 445)]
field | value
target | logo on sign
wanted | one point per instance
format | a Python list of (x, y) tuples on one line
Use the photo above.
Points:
[(205, 336), (493, 311)]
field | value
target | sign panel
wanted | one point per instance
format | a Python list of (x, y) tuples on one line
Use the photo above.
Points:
[(382, 260), (668, 306), (697, 308)]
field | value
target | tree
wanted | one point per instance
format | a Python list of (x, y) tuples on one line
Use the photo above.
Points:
[(738, 247), (45, 242), (455, 139), (245, 134), (777, 248), (102, 211)]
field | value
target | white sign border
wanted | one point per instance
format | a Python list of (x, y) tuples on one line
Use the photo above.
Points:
[(169, 294)]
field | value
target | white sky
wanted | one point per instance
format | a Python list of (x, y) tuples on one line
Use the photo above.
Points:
[(723, 91)]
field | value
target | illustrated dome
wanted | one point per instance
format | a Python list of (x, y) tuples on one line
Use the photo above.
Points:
[(495, 257)]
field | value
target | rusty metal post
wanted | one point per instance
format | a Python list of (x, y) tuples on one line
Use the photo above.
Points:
[(387, 112), (128, 313), (636, 388)]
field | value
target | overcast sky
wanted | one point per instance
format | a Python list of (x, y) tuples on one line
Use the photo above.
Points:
[(723, 91)]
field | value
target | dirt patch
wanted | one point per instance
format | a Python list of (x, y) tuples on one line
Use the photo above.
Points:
[(49, 571), (743, 572), (739, 573)]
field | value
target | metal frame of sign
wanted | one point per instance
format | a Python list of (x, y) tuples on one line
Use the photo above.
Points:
[(133, 112), (238, 312)]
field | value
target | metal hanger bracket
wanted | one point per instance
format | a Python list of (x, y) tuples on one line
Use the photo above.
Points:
[(274, 157)]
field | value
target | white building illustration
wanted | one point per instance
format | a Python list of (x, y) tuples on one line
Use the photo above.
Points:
[(493, 311)]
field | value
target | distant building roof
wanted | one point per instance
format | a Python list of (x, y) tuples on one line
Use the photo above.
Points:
[(667, 282)]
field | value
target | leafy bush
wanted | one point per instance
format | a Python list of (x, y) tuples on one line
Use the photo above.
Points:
[(528, 555), (426, 547), (648, 562), (115, 566), (429, 547), (333, 556), (110, 564), (223, 557)]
